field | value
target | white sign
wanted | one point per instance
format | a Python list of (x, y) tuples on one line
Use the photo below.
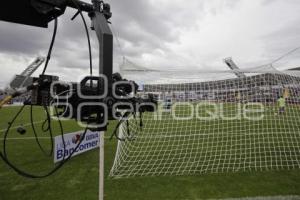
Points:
[(91, 141)]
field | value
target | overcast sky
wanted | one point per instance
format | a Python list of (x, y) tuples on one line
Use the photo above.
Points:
[(164, 34)]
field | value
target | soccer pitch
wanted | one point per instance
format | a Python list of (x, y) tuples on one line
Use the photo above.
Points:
[(222, 138), (78, 179)]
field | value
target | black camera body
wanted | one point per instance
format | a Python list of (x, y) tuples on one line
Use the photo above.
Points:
[(40, 95), (91, 101)]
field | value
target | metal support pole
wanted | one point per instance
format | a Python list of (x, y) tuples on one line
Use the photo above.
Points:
[(101, 166), (105, 37)]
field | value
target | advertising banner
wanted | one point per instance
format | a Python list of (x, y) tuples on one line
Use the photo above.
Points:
[(91, 141)]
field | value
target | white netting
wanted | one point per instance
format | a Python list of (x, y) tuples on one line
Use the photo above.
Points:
[(218, 124)]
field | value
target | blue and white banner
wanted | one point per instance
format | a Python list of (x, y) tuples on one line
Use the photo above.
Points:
[(91, 141)]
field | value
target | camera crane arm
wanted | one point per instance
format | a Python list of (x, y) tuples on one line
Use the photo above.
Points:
[(40, 12)]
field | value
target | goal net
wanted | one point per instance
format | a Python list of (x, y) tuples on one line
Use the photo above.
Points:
[(218, 123)]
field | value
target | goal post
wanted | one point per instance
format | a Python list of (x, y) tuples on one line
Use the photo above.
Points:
[(225, 124)]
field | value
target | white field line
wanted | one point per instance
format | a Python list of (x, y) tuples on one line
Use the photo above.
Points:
[(25, 138), (152, 136), (33, 138), (29, 138), (15, 127), (289, 197)]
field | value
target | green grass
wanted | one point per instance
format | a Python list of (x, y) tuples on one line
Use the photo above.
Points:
[(195, 147), (78, 179)]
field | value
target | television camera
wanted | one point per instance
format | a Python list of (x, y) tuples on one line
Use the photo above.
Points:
[(92, 101), (96, 99), (88, 101)]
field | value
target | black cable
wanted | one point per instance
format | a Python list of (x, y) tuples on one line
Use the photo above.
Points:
[(122, 120), (9, 126), (4, 154), (45, 126), (87, 35), (51, 46), (25, 174), (48, 120), (47, 129), (141, 120), (117, 127)]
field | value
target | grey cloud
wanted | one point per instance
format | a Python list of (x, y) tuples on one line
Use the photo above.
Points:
[(268, 2), (138, 23), (148, 28), (30, 41), (142, 27), (21, 39), (283, 40)]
